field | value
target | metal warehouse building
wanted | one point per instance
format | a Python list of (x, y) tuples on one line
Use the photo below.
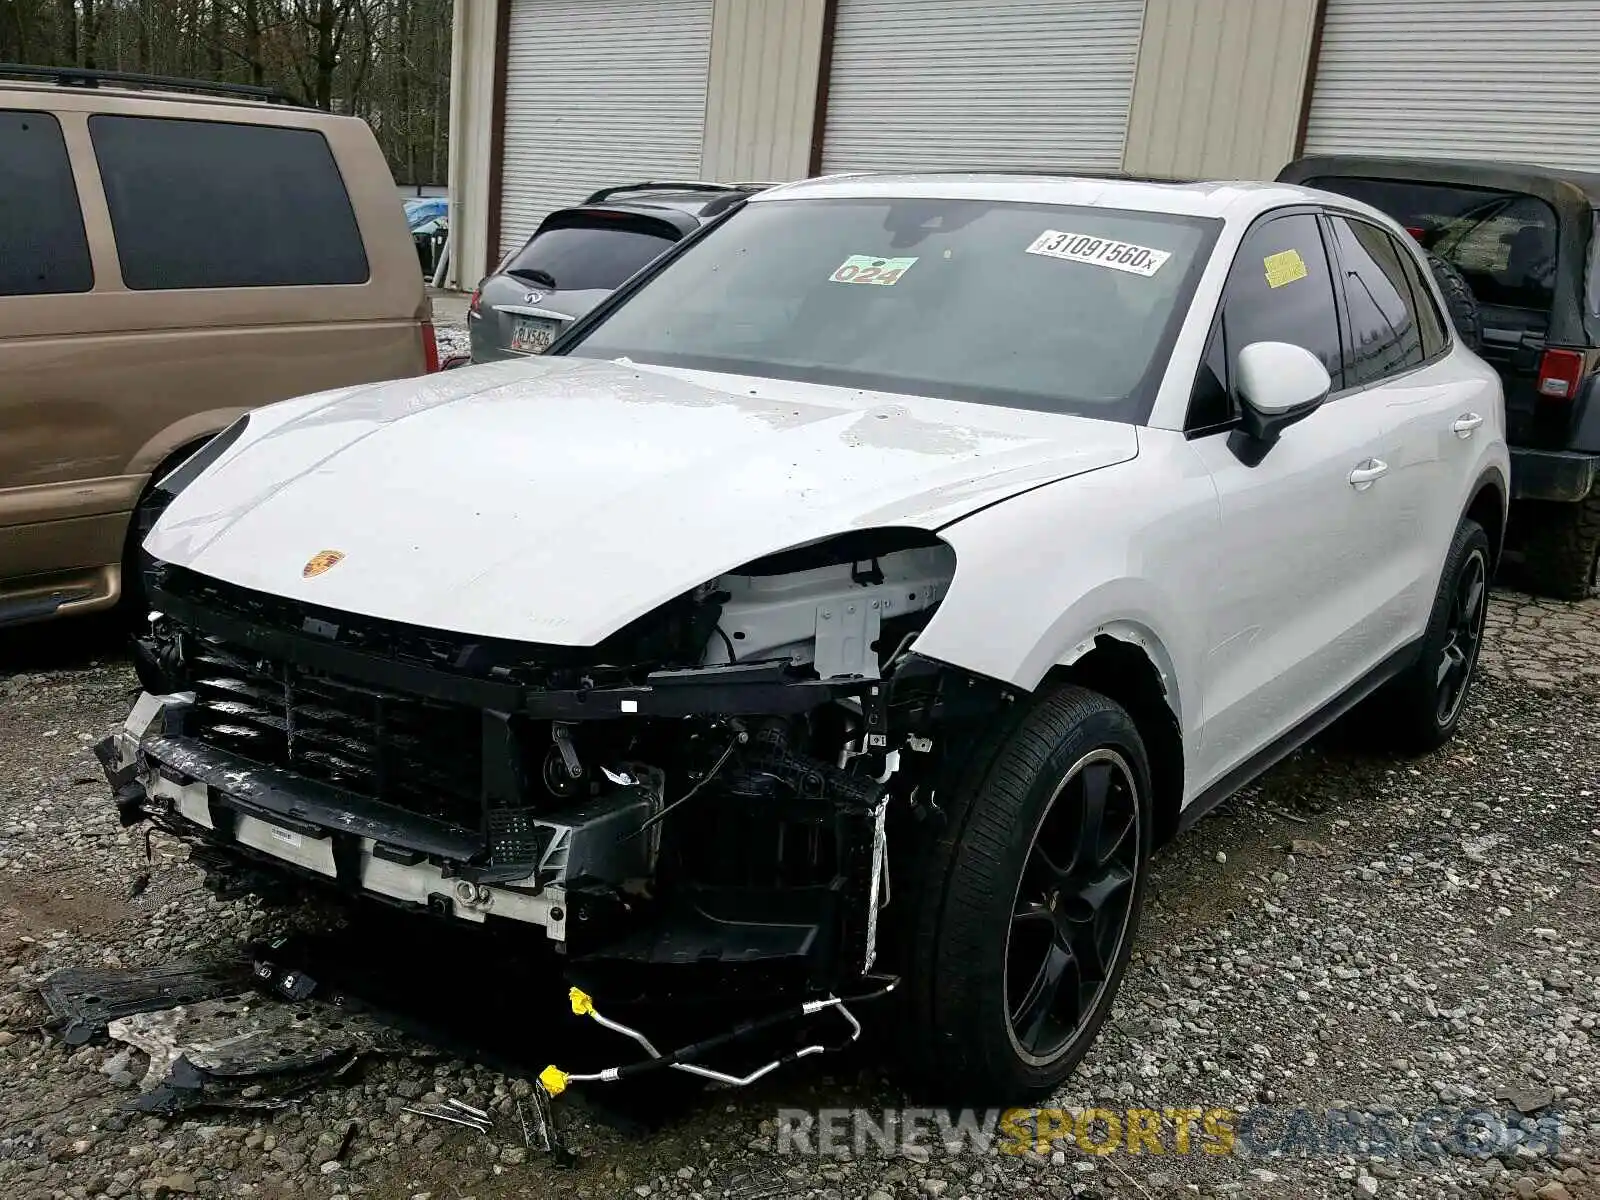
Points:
[(554, 98)]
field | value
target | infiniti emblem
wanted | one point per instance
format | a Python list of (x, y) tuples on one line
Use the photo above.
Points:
[(532, 297)]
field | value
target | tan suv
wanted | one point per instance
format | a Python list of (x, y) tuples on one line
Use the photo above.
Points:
[(167, 262)]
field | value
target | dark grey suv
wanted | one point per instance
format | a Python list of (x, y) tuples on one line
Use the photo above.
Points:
[(579, 255)]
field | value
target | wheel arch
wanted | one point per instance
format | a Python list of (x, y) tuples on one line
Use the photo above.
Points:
[(1488, 507), (1125, 662)]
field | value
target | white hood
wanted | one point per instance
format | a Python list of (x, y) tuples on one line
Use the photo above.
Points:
[(557, 499)]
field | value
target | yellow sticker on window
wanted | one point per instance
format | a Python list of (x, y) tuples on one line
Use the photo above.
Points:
[(1284, 267)]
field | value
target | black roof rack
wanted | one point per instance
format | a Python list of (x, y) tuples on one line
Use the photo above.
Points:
[(80, 77), (1114, 176), (605, 194)]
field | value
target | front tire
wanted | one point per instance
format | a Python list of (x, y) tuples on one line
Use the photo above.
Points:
[(1029, 902), (1420, 709)]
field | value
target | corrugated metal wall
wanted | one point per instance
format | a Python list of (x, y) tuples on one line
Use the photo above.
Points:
[(924, 84), (762, 94), (1517, 79), (597, 93), (1219, 86)]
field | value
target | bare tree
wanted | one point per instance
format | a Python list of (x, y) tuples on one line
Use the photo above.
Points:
[(66, 31), (387, 61)]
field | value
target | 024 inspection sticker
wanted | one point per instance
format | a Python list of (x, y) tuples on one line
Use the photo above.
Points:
[(1100, 252), (864, 268)]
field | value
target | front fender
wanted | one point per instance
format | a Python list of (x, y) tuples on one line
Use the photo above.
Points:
[(1125, 551)]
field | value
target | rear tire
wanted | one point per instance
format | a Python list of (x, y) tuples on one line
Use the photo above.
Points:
[(1459, 302), (1419, 710), (1027, 903), (1561, 545)]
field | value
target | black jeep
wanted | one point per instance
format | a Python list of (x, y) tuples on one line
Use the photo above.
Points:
[(1524, 240)]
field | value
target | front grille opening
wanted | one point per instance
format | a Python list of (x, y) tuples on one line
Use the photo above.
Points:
[(419, 755)]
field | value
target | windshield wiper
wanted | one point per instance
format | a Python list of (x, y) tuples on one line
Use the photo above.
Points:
[(534, 275)]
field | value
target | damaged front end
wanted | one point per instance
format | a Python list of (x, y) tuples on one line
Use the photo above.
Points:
[(700, 802)]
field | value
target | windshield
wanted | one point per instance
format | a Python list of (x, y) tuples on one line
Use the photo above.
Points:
[(578, 258), (424, 212), (1050, 307)]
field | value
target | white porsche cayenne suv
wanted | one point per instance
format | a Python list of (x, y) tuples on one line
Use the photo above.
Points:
[(846, 606)]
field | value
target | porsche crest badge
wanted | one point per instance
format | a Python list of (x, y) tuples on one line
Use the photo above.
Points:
[(320, 562)]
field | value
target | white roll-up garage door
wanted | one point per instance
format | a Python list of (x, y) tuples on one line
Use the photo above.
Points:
[(1513, 79), (599, 92), (935, 84)]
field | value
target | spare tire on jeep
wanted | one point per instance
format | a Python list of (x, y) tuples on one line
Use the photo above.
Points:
[(1459, 301)]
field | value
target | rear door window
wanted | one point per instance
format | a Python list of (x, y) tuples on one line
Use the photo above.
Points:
[(588, 255), (1281, 290), (208, 204), (1504, 243), (43, 248), (1383, 336)]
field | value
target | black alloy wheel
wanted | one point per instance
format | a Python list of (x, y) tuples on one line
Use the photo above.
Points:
[(1070, 916), (1418, 710), (1463, 636)]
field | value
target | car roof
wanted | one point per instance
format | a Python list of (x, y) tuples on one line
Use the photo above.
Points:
[(52, 80), (154, 102), (684, 211), (1231, 200), (689, 202), (1506, 176), (679, 219)]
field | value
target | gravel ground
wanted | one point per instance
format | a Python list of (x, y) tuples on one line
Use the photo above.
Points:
[(450, 322), (1433, 941), (452, 341)]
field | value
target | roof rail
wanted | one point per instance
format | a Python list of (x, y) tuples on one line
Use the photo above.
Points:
[(701, 186), (1115, 176), (81, 77)]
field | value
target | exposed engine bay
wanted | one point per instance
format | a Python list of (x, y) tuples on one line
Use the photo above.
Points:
[(710, 789)]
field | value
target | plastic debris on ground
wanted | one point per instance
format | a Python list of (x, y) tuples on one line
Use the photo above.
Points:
[(247, 1051), (82, 1002), (245, 1034)]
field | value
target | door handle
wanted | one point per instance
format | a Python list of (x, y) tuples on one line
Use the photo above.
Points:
[(1366, 471), (1465, 424)]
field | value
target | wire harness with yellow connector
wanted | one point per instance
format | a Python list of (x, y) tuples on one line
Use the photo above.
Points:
[(554, 1080)]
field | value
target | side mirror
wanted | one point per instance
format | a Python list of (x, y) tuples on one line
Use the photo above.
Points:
[(1278, 384)]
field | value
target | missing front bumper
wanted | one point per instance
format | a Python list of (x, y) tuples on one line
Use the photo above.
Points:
[(585, 873), (315, 830)]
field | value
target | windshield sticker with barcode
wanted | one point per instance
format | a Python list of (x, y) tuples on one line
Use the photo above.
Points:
[(1100, 252), (864, 268), (1286, 266)]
